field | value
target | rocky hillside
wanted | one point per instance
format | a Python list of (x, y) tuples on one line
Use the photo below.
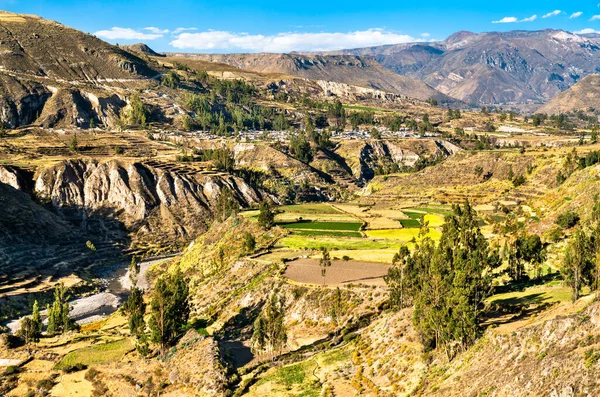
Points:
[(43, 62), (495, 67), (116, 205), (352, 70), (582, 96)]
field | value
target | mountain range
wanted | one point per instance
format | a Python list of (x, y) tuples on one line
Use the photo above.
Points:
[(512, 67), (349, 69)]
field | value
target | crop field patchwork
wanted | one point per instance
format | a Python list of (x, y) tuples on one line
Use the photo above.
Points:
[(386, 229)]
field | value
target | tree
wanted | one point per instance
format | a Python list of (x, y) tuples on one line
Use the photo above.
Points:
[(171, 80), (397, 281), (280, 123), (249, 243), (169, 309), (338, 113), (58, 314), (73, 145), (30, 328), (577, 263), (449, 282), (138, 114), (27, 330), (36, 320), (134, 269), (300, 148), (266, 218), (324, 262), (270, 334), (135, 308), (227, 205)]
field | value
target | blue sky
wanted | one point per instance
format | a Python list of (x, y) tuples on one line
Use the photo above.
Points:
[(279, 26)]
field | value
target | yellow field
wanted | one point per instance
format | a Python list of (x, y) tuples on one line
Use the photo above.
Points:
[(384, 255), (404, 235), (434, 220)]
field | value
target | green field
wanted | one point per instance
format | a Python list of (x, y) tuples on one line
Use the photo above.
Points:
[(552, 292), (413, 215), (365, 108), (332, 233), (336, 243), (309, 209), (97, 354), (339, 226), (410, 223)]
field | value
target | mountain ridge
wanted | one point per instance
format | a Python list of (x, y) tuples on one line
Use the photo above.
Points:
[(511, 67)]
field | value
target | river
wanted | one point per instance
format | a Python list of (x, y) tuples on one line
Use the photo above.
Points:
[(116, 286)]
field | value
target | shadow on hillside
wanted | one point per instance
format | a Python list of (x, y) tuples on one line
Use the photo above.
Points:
[(42, 243)]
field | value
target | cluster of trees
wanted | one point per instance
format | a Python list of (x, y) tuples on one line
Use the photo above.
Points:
[(447, 282), (581, 261), (361, 118), (59, 322), (138, 114), (270, 334), (337, 112), (560, 121), (521, 248), (573, 163), (454, 114), (169, 312), (221, 158)]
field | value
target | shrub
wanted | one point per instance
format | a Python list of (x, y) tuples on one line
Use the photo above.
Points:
[(76, 367), (567, 219)]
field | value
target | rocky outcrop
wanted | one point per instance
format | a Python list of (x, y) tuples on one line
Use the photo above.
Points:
[(154, 203), (69, 107)]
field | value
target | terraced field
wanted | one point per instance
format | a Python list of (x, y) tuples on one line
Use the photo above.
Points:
[(358, 232)]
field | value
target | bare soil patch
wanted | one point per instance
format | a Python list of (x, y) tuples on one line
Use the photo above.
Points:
[(308, 271)]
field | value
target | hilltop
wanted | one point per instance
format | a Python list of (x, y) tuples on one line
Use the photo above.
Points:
[(582, 96)]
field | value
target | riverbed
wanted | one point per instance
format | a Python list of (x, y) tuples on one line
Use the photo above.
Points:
[(116, 284)]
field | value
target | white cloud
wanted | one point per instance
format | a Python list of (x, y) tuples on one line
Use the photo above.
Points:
[(507, 20), (180, 30), (126, 34), (576, 15), (552, 14), (515, 20), (595, 18), (425, 35), (286, 42), (156, 30), (587, 31)]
